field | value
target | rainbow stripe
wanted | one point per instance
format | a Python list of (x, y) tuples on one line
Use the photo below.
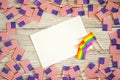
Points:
[(84, 45)]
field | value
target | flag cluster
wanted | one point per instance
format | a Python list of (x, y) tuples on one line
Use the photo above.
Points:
[(54, 7), (104, 69), (115, 42)]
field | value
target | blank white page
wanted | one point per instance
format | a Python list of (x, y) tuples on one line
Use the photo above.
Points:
[(58, 42)]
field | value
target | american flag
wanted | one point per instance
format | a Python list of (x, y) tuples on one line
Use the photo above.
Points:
[(65, 10), (10, 13), (17, 54), (22, 20), (7, 74), (25, 10), (90, 70), (11, 27), (103, 13), (53, 9), (26, 65), (38, 73), (116, 17), (37, 13), (78, 11), (107, 24), (11, 44), (92, 10), (103, 63), (113, 7), (13, 66), (74, 71), (51, 71)]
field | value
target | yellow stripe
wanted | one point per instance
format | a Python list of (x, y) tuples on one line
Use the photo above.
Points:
[(79, 54), (89, 36)]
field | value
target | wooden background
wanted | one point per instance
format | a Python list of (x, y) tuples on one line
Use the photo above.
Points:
[(47, 20)]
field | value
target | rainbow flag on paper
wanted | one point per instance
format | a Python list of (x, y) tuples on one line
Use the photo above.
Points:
[(84, 45)]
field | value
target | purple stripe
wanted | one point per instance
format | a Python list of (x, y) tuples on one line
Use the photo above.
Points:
[(107, 70), (17, 68), (101, 1), (113, 41), (118, 46), (66, 68), (0, 4), (90, 7), (20, 1), (22, 23), (30, 67), (86, 47), (104, 27), (111, 76), (5, 70), (0, 38), (18, 57), (116, 21), (91, 65), (58, 1), (1, 52), (22, 11), (13, 24), (72, 78), (36, 75), (9, 16), (101, 60), (30, 78), (114, 10), (81, 13), (65, 78), (47, 71), (19, 78), (86, 1), (8, 43), (76, 68), (118, 32), (37, 3), (104, 10), (55, 12), (91, 41), (115, 64), (40, 12), (69, 11)]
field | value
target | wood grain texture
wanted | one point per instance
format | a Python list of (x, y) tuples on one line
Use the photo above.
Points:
[(47, 20)]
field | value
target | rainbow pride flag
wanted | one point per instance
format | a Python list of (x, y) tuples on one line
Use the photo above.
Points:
[(86, 42)]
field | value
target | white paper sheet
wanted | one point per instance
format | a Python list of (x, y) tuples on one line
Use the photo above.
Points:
[(58, 42)]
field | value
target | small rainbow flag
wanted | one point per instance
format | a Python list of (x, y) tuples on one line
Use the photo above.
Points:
[(84, 45)]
